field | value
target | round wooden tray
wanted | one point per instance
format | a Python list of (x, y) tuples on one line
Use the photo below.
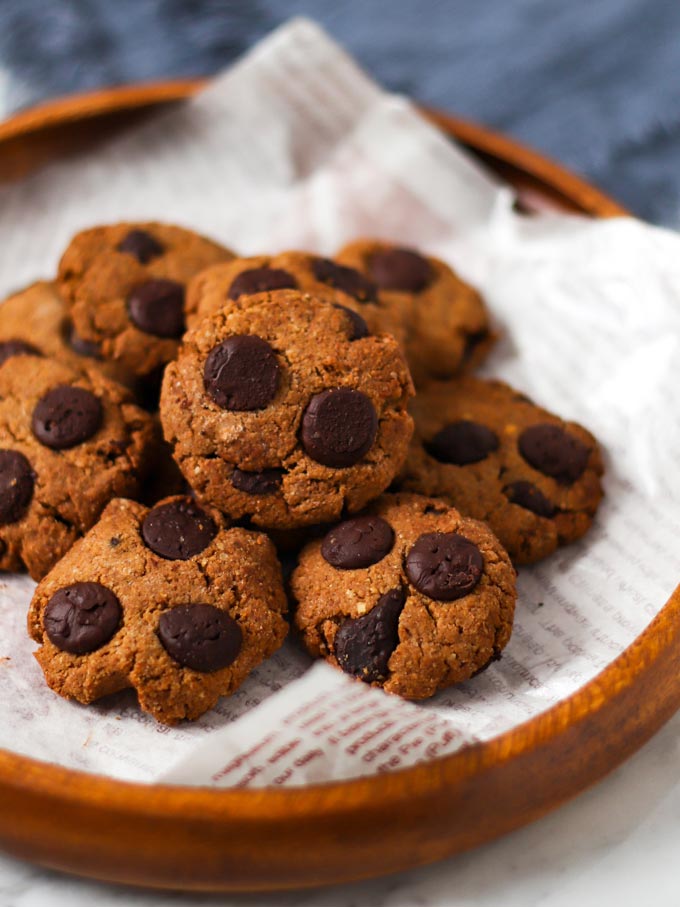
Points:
[(194, 838)]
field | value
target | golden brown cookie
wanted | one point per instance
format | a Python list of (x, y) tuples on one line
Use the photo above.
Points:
[(277, 412), (444, 319), (125, 286), (36, 320), (496, 456), (69, 442), (322, 277), (169, 601), (411, 596)]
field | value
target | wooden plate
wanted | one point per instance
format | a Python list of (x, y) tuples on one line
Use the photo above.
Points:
[(197, 838)]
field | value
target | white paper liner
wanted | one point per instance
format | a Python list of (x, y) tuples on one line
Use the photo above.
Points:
[(296, 148)]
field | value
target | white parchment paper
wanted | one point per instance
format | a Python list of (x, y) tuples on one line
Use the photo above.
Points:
[(296, 148)]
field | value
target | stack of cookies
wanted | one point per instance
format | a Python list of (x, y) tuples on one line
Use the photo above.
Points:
[(171, 415)]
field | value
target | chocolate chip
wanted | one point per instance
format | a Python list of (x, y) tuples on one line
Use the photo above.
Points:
[(444, 565), (347, 280), (89, 348), (358, 327), (401, 270), (338, 427), (363, 645), (358, 543), (16, 486), (267, 481), (526, 495), (66, 416), (141, 245), (9, 348), (82, 617), (463, 442), (260, 280), (241, 373), (553, 452), (200, 637), (472, 341), (178, 530), (157, 307)]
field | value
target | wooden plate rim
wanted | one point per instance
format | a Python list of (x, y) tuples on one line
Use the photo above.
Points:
[(611, 701)]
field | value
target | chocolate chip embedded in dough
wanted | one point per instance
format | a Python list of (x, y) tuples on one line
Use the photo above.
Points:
[(463, 442), (347, 280), (241, 374), (528, 496), (82, 617), (66, 416), (157, 307), (554, 452), (358, 543), (363, 645), (444, 565), (261, 280), (9, 348), (401, 270), (178, 530), (16, 486), (339, 427), (141, 245), (201, 637)]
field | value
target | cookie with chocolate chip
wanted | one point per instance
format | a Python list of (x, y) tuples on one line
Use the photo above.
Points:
[(125, 286), (496, 456), (278, 412), (69, 442), (444, 321), (410, 596), (169, 601), (35, 320), (348, 288)]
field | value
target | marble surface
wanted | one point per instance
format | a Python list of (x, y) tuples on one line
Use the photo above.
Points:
[(615, 844)]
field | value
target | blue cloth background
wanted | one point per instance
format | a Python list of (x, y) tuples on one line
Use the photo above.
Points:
[(595, 83)]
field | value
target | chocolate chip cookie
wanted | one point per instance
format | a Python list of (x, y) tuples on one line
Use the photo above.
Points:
[(348, 288), (498, 457), (411, 596), (445, 323), (169, 601), (69, 442), (278, 412), (125, 287), (35, 320)]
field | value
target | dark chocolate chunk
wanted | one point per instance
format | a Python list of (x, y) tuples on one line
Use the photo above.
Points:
[(347, 280), (267, 481), (472, 341), (527, 495), (358, 543), (9, 348), (359, 328), (554, 452), (339, 427), (444, 565), (363, 645), (82, 617), (66, 416), (201, 637), (401, 269), (89, 348), (241, 373), (141, 245), (462, 442), (178, 530), (261, 280), (157, 307), (16, 486)]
